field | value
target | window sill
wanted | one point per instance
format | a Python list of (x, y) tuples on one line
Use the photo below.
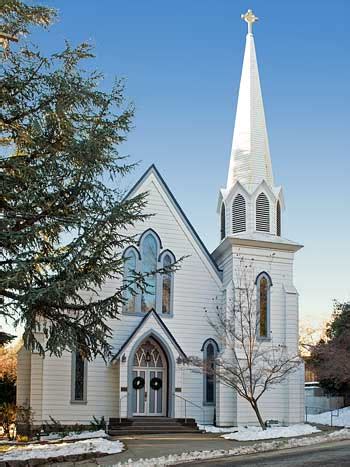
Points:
[(144, 313), (209, 404), (264, 339), (78, 402)]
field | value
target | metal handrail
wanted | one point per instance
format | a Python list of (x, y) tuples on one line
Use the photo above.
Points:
[(192, 403), (120, 407)]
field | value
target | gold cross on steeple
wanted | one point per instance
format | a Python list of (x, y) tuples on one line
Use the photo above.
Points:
[(250, 19)]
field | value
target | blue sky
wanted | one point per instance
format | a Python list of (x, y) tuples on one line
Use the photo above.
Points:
[(182, 61)]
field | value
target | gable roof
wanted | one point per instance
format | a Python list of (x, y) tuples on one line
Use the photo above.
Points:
[(153, 170), (152, 312)]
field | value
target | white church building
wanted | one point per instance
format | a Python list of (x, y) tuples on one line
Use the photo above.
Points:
[(149, 374)]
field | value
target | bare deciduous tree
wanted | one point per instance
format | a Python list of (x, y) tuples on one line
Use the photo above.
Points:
[(248, 363)]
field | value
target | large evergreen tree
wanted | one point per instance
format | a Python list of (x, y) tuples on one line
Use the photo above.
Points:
[(330, 357), (64, 218)]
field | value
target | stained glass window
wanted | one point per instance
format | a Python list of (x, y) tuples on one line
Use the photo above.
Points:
[(263, 306), (209, 375), (149, 263), (79, 377), (166, 289), (148, 355)]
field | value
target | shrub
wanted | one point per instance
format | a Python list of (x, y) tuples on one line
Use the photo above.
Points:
[(98, 424)]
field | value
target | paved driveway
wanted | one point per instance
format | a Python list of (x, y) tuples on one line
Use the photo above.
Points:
[(324, 455), (148, 446), (162, 445)]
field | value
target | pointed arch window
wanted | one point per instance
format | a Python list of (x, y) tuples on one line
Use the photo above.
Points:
[(157, 289), (263, 284), (278, 218), (262, 213), (209, 358), (130, 268), (149, 255), (79, 378), (238, 214), (222, 222), (167, 281)]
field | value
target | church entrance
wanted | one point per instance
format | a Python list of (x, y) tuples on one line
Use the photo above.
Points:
[(149, 380)]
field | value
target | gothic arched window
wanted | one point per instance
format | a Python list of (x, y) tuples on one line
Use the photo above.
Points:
[(167, 278), (130, 267), (263, 284), (149, 256), (262, 213), (222, 222), (278, 218), (157, 288), (238, 214), (209, 357)]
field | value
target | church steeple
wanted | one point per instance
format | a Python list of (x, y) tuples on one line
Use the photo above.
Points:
[(250, 161)]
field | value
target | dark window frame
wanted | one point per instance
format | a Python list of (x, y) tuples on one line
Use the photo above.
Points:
[(74, 398)]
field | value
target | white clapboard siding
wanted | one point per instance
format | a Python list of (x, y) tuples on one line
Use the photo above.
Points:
[(198, 288), (23, 377)]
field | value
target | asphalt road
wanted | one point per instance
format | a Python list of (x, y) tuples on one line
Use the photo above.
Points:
[(325, 455)]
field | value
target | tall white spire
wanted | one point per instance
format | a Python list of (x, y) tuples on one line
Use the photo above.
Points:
[(250, 161)]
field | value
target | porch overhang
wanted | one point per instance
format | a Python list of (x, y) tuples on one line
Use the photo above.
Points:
[(138, 330)]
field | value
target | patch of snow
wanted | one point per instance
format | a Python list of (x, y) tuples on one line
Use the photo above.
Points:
[(174, 459), (325, 418), (45, 451), (216, 429), (254, 433), (75, 435)]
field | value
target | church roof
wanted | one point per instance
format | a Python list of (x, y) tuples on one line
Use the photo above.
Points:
[(250, 161), (141, 325), (153, 169)]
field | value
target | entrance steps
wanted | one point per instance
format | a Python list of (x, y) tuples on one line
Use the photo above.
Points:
[(151, 425)]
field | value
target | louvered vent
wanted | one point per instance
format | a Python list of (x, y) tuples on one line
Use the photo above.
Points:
[(278, 218), (238, 214), (262, 213), (223, 222)]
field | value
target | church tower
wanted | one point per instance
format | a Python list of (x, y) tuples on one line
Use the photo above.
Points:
[(250, 215)]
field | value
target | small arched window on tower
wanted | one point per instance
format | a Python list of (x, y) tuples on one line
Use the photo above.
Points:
[(263, 285), (262, 213), (238, 214), (222, 222), (278, 218)]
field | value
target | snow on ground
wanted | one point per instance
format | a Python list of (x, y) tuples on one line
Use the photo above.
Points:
[(45, 451), (216, 429), (240, 450), (325, 418), (254, 433), (75, 435)]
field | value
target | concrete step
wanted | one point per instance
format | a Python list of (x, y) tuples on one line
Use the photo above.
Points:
[(148, 425), (153, 432)]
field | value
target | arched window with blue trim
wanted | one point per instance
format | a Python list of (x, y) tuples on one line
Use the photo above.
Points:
[(209, 360), (130, 267), (166, 280), (149, 256), (157, 289), (263, 284)]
